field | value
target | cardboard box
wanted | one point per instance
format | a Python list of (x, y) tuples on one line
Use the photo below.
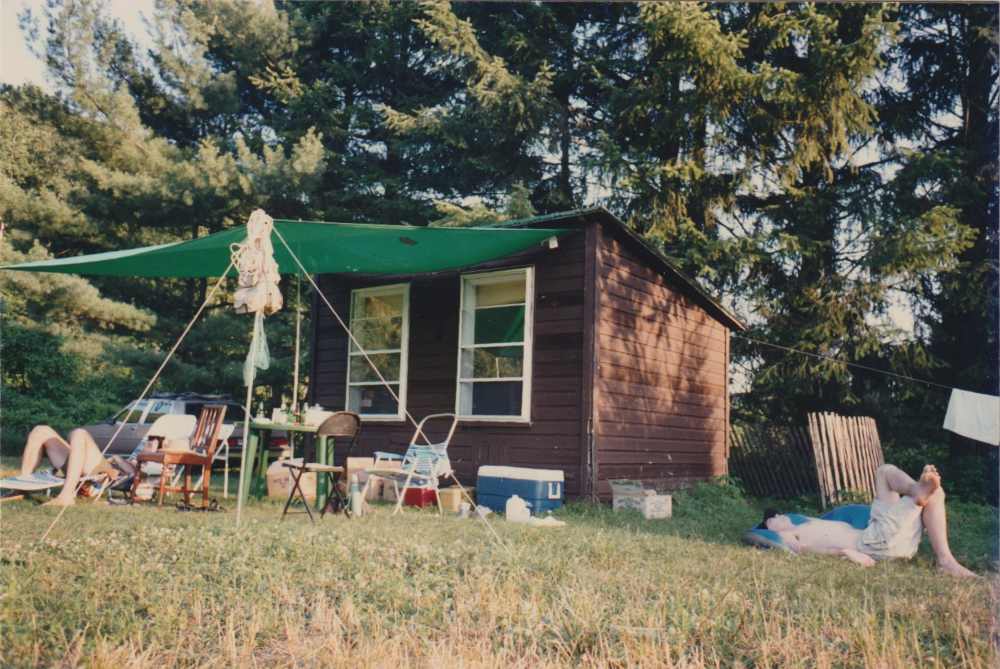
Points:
[(655, 507), (377, 487), (628, 494), (357, 467), (279, 481)]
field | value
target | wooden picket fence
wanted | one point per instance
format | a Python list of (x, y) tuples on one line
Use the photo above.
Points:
[(847, 452), (833, 457)]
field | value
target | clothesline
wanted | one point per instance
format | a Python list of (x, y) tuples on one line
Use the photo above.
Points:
[(844, 362)]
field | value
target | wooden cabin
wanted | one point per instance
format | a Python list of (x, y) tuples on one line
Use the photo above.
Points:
[(590, 354)]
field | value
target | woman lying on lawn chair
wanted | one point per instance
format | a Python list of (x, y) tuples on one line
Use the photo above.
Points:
[(901, 510)]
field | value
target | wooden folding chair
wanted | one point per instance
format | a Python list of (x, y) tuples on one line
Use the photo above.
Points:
[(200, 453)]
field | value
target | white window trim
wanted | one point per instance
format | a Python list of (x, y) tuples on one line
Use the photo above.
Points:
[(527, 368), (404, 354)]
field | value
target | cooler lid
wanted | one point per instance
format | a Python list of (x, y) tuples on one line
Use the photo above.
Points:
[(521, 473)]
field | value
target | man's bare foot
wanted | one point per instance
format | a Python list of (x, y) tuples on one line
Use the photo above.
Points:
[(952, 568), (930, 481)]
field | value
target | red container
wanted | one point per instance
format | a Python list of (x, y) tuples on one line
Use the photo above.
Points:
[(420, 497)]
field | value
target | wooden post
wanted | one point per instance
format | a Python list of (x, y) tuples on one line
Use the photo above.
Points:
[(816, 437)]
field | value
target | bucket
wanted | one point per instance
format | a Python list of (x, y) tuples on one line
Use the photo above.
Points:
[(452, 498)]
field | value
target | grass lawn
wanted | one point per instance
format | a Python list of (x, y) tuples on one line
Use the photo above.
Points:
[(141, 587)]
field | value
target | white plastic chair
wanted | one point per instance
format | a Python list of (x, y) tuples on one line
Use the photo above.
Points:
[(223, 454)]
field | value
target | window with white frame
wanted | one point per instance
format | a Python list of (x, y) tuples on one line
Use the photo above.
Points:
[(494, 353), (380, 322)]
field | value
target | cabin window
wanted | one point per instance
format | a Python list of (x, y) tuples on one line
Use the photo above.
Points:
[(494, 353), (380, 322)]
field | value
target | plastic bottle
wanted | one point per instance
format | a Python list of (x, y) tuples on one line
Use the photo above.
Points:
[(357, 501)]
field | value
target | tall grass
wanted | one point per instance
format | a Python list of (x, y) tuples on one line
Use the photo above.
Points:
[(140, 587)]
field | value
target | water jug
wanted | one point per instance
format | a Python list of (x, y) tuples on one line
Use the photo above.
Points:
[(517, 510), (357, 500)]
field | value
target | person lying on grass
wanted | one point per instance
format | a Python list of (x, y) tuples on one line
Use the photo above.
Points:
[(901, 510), (77, 458)]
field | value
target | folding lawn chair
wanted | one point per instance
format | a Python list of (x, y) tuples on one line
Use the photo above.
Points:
[(341, 425), (422, 464), (36, 482)]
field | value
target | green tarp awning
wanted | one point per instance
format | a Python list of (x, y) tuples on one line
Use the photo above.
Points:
[(323, 248)]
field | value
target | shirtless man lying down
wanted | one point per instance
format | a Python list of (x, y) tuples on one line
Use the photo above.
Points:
[(901, 510)]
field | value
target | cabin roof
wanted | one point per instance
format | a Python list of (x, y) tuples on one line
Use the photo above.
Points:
[(656, 259)]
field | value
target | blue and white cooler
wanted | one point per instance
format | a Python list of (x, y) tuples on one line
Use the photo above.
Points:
[(542, 489)]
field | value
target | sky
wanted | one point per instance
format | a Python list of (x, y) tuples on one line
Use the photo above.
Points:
[(19, 66)]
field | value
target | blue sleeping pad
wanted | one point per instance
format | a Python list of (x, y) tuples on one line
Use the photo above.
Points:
[(855, 515)]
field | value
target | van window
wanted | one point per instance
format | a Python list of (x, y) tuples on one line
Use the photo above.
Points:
[(159, 408)]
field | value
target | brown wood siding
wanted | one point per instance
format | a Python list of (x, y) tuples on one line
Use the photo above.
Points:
[(553, 438), (662, 368)]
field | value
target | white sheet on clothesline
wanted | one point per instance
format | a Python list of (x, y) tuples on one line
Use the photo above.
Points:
[(974, 415)]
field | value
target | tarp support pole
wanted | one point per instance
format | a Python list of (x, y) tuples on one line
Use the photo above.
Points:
[(240, 492), (298, 335)]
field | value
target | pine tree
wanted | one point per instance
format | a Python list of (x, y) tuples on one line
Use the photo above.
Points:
[(529, 110), (745, 149), (152, 150), (938, 110)]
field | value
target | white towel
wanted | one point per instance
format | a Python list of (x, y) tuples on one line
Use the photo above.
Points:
[(974, 415)]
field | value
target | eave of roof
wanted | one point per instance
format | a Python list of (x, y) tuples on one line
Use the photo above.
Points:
[(663, 265)]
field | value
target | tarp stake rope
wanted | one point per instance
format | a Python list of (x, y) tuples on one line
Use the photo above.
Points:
[(170, 354), (381, 378)]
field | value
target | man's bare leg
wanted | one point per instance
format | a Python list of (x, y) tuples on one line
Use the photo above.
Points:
[(936, 524), (43, 439), (891, 482), (84, 459)]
